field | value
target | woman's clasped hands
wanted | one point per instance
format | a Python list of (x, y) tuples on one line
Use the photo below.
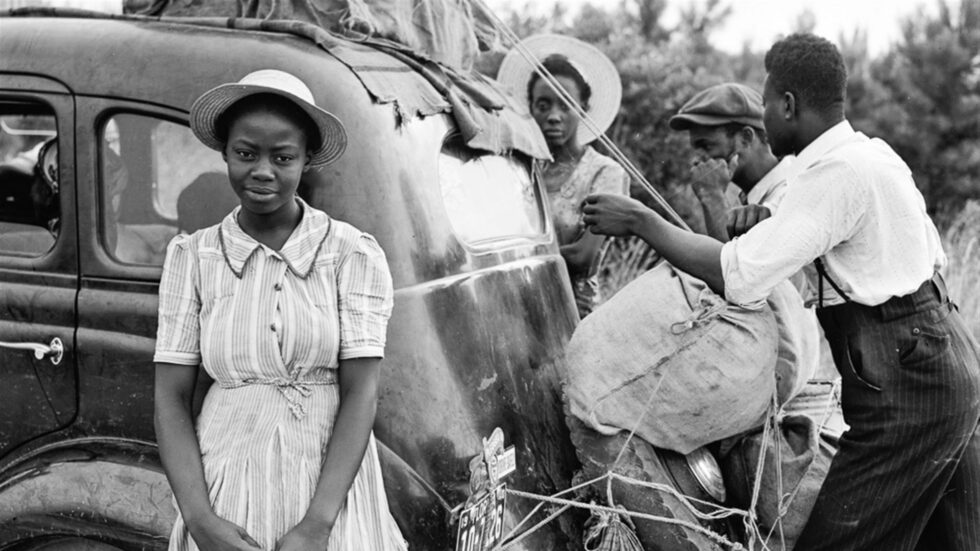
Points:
[(218, 534), (305, 536)]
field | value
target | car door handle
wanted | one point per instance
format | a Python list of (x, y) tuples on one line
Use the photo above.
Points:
[(54, 351)]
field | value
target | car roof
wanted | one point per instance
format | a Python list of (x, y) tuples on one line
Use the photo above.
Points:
[(139, 58)]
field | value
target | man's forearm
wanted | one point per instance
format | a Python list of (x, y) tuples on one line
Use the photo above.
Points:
[(715, 209), (698, 255)]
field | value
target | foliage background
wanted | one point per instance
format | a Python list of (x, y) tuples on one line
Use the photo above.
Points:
[(922, 96)]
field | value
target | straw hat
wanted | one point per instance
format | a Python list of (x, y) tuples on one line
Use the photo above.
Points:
[(597, 70), (214, 102)]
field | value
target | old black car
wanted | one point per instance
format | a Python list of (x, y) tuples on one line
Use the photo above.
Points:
[(99, 170)]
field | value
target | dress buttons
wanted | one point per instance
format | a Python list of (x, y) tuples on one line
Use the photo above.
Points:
[(277, 286), (272, 326), (916, 331)]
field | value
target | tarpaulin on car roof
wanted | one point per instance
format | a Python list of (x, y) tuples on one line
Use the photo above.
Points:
[(416, 86), (487, 118), (447, 31)]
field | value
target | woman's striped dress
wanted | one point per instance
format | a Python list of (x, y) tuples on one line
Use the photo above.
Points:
[(270, 328)]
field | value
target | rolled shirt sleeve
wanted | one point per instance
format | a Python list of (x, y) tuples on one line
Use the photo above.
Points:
[(365, 300), (820, 209), (179, 325)]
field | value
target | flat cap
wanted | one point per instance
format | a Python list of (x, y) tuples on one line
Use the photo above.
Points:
[(721, 104)]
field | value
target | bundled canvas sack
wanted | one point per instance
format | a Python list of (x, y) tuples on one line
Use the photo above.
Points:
[(804, 457), (798, 353), (673, 360)]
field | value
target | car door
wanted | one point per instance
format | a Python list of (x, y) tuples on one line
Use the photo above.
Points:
[(38, 259), (140, 158)]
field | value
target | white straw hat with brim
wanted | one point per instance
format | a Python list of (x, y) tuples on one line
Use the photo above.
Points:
[(214, 102), (597, 70)]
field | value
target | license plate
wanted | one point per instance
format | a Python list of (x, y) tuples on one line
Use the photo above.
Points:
[(481, 524)]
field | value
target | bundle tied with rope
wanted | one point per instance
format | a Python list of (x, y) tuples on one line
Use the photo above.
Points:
[(670, 361)]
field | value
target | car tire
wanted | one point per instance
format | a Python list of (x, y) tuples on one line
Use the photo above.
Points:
[(64, 544)]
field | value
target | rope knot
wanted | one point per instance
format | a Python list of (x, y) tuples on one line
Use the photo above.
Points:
[(710, 307)]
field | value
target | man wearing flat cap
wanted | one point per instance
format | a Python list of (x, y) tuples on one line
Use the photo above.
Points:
[(724, 123)]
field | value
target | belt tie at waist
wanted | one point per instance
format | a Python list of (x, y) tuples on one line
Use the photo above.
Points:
[(293, 390)]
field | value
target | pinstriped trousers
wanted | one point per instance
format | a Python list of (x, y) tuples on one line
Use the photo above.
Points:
[(907, 475)]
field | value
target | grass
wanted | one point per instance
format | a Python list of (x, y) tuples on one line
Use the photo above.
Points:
[(962, 244)]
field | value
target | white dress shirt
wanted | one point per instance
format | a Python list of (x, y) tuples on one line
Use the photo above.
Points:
[(855, 204)]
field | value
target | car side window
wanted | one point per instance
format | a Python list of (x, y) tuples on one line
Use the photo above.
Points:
[(156, 180), (29, 202)]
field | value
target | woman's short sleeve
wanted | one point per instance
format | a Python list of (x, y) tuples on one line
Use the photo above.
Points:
[(179, 326), (365, 299)]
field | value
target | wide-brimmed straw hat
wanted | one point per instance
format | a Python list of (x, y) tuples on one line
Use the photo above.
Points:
[(214, 102), (597, 70)]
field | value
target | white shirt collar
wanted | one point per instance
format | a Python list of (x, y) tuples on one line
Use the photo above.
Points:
[(830, 139), (779, 174)]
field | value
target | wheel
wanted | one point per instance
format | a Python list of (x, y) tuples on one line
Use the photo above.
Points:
[(65, 544)]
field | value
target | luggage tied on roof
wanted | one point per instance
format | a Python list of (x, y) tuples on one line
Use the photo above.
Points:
[(430, 46)]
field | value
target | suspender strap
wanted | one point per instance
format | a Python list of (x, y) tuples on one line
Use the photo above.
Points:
[(822, 275)]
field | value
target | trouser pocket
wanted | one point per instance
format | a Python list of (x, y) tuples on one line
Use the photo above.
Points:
[(859, 368)]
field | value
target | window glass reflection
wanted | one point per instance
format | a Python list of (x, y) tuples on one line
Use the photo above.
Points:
[(488, 196), (149, 168)]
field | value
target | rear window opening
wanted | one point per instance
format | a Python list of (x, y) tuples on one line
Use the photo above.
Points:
[(488, 197)]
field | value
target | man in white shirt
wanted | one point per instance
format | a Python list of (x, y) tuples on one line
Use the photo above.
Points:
[(907, 475), (725, 129)]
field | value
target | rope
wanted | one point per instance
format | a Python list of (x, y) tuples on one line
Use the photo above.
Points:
[(540, 505), (717, 538), (639, 421), (751, 522), (774, 419), (584, 117), (536, 527)]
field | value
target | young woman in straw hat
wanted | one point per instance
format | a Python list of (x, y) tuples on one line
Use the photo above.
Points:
[(286, 309), (576, 169)]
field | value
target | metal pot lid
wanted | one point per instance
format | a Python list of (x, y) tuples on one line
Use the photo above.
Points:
[(707, 472)]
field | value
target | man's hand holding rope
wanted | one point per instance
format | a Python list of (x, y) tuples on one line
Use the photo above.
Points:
[(617, 215)]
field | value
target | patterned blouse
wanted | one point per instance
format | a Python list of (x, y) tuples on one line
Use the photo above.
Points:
[(594, 173)]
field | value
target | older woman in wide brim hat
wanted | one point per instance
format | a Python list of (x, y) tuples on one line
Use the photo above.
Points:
[(576, 169), (286, 309)]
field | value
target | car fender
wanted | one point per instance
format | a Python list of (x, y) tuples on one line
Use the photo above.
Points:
[(111, 489), (115, 490)]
